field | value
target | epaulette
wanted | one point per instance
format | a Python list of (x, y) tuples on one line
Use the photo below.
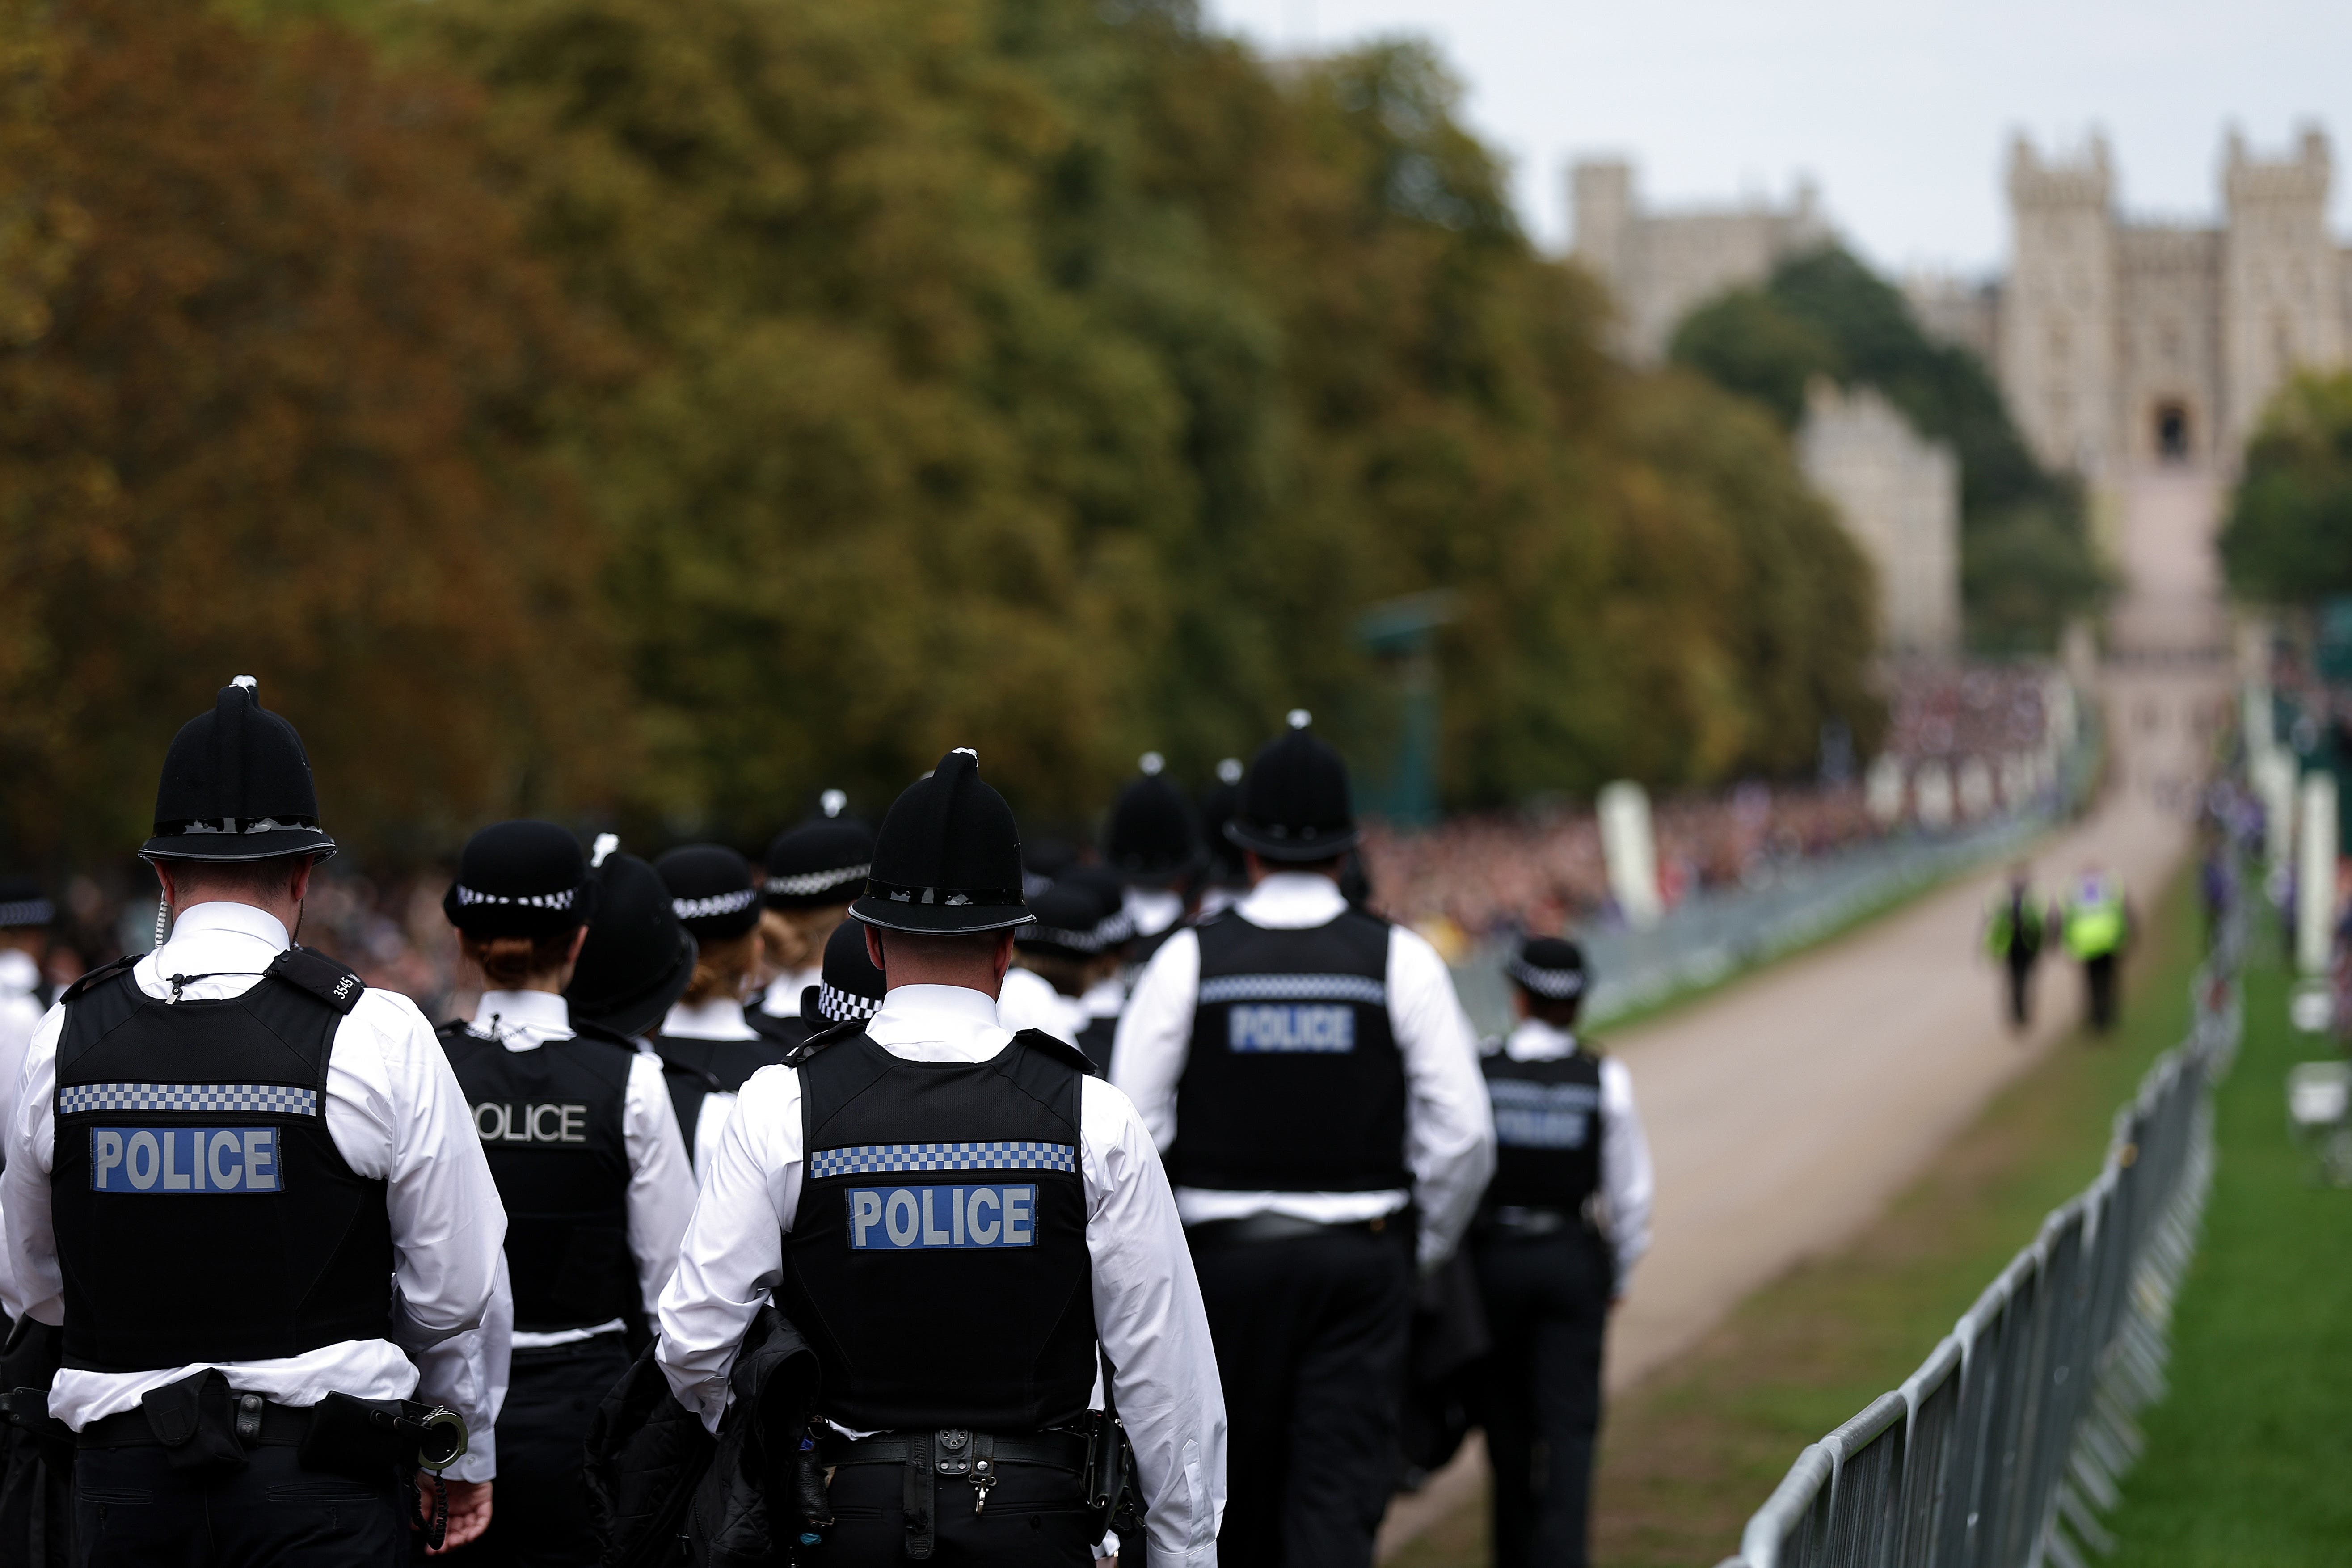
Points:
[(308, 969), (587, 1031), (1060, 1049), (822, 1039), (99, 976)]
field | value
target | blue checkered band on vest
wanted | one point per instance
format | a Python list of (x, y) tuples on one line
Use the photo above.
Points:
[(881, 1158), (1294, 988), (258, 1098)]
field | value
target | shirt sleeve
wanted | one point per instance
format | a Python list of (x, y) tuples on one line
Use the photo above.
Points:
[(661, 1181), (395, 1113), (469, 1373), (36, 1287), (1155, 1034), (1624, 1169), (1154, 1329), (733, 1253), (1449, 1126)]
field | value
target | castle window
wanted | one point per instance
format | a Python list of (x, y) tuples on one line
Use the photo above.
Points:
[(2172, 432)]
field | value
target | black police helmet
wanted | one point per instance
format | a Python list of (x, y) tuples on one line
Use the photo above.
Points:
[(948, 859), (236, 786), (637, 959), (850, 987), (824, 861), (1220, 805), (1295, 802), (1153, 837), (713, 890), (520, 879), (1549, 967), (1070, 922), (23, 904)]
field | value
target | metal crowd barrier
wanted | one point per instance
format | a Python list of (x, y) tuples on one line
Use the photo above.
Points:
[(2005, 1448)]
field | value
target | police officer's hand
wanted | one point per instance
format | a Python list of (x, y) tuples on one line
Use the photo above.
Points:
[(469, 1513)]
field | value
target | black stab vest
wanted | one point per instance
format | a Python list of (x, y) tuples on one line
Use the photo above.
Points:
[(1294, 1082), (695, 1070), (937, 1260), (203, 1212), (1096, 1040), (785, 1033), (551, 1122), (1546, 1131)]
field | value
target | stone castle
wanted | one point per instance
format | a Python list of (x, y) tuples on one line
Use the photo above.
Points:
[(2120, 345), (2117, 342)]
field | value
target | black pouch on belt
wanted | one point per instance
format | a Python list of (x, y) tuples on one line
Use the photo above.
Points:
[(346, 1438), (191, 1418)]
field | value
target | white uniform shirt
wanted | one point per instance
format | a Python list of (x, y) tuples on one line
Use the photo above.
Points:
[(782, 997), (1030, 1002), (20, 1016), (661, 1184), (720, 1018), (1449, 1130), (1105, 998), (1625, 1184), (396, 1114), (1146, 1302), (1153, 909)]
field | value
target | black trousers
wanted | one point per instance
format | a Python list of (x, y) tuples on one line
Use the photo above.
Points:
[(538, 1504), (2099, 975), (1036, 1515), (133, 1510), (1548, 1308), (2020, 993), (1311, 1336)]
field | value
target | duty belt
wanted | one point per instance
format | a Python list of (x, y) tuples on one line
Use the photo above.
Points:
[(957, 1454), (1513, 1222), (1271, 1226)]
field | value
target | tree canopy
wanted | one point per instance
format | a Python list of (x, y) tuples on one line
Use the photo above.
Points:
[(2026, 559), (2288, 538), (699, 402)]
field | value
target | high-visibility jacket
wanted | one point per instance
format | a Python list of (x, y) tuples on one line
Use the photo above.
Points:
[(2094, 918), (2015, 924)]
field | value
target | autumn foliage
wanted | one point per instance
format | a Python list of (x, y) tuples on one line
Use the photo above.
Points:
[(666, 407)]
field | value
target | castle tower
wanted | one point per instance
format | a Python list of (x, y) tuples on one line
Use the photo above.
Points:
[(2058, 313), (1600, 203), (2282, 276)]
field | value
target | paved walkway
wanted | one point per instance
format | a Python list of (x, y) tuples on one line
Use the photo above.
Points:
[(1787, 1110)]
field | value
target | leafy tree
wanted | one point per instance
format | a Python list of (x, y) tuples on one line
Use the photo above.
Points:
[(2288, 540), (275, 398), (1746, 342)]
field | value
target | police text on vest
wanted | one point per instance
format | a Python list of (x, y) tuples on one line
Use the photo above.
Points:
[(1291, 1027), (883, 1218), (500, 1124), (183, 1159)]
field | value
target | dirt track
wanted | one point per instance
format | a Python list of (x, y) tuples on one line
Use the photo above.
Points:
[(1785, 1112)]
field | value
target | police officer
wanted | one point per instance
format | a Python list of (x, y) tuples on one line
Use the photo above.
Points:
[(2014, 940), (245, 1183), (850, 988), (581, 1137), (2096, 924), (955, 1217), (1224, 880), (706, 1045), (813, 871), (1309, 1073), (25, 916), (1057, 958), (1557, 1236), (1153, 842)]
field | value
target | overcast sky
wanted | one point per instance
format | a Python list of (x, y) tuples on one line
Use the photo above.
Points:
[(1901, 110)]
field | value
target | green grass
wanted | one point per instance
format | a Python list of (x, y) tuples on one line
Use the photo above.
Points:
[(1689, 1453), (2249, 1456)]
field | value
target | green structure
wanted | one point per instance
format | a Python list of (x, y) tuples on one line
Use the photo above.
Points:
[(1402, 635)]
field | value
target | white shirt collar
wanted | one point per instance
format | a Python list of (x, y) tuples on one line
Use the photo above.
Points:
[(782, 997), (523, 1020), (1535, 1041), (939, 1023), (1153, 909), (217, 937), (720, 1018), (1105, 998), (1293, 901), (229, 919), (19, 972)]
